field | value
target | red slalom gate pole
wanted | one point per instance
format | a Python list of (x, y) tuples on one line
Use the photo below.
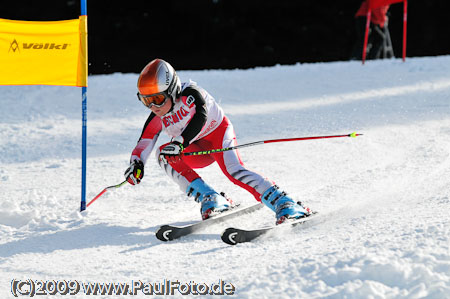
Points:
[(103, 192), (266, 141)]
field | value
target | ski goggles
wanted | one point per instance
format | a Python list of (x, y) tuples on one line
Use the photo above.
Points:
[(158, 99)]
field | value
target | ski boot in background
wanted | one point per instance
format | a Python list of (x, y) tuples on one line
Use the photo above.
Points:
[(284, 207), (212, 203)]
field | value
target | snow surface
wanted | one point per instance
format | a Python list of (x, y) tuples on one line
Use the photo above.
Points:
[(383, 198)]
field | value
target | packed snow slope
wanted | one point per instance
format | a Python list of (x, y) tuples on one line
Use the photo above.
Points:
[(383, 198)]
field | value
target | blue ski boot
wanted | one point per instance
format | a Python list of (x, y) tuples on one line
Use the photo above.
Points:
[(283, 206), (212, 202)]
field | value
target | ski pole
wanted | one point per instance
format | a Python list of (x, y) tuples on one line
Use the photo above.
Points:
[(213, 151), (104, 190)]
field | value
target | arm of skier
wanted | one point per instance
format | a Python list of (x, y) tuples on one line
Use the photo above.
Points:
[(145, 145)]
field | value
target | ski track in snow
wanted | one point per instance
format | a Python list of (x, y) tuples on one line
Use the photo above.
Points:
[(383, 229)]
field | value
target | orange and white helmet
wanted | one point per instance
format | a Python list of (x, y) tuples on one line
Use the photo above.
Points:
[(157, 82)]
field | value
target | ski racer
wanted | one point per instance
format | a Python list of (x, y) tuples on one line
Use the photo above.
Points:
[(191, 116)]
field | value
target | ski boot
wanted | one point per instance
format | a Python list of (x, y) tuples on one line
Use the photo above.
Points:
[(284, 207), (212, 203)]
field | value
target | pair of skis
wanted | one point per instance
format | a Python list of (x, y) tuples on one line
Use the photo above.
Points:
[(231, 236)]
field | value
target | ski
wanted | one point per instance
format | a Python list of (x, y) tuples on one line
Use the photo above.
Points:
[(233, 236), (172, 232)]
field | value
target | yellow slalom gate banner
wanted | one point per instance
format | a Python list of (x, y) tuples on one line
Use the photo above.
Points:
[(43, 53)]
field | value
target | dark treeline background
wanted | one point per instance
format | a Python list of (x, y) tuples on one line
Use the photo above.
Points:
[(211, 34)]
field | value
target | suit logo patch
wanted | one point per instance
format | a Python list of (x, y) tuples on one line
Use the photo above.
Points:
[(190, 100), (175, 117)]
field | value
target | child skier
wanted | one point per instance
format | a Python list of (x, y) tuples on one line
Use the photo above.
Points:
[(193, 119)]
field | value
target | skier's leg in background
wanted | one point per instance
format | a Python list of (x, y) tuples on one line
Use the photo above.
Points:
[(231, 164), (261, 188), (378, 40)]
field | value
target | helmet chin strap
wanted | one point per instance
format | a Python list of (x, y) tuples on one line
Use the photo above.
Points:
[(173, 104), (176, 93), (173, 90)]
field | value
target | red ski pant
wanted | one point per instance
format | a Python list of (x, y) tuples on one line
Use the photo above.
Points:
[(181, 170)]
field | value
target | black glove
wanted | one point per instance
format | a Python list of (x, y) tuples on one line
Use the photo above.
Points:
[(134, 172), (171, 152)]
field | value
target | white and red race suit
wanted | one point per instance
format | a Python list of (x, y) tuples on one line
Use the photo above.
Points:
[(200, 121)]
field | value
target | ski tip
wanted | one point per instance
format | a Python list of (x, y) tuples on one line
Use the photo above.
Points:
[(164, 233), (229, 236)]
